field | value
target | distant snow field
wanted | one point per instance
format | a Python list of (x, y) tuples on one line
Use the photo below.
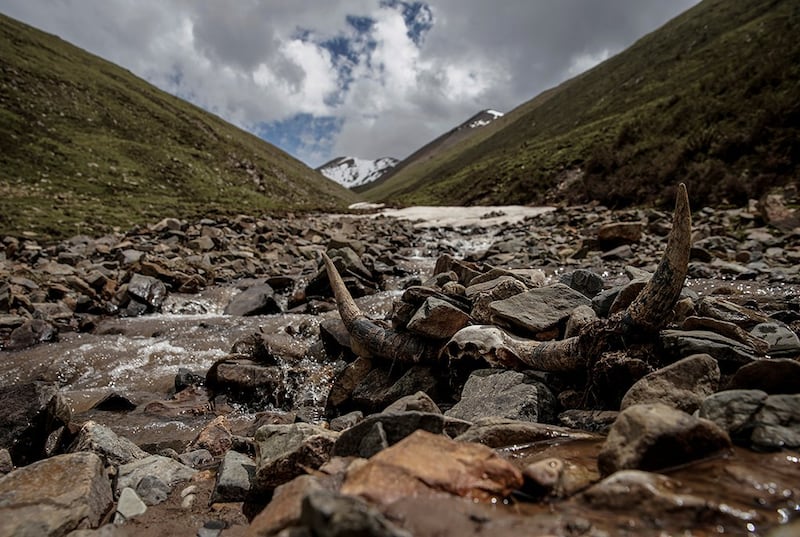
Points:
[(486, 215)]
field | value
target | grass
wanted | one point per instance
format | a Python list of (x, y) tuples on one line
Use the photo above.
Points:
[(87, 147), (712, 99)]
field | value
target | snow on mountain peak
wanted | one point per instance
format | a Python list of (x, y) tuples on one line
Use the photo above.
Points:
[(483, 118), (352, 172)]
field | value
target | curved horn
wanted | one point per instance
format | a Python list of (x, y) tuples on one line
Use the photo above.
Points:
[(652, 307), (369, 339)]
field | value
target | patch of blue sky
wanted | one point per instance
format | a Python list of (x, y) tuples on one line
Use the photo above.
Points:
[(309, 138), (417, 15)]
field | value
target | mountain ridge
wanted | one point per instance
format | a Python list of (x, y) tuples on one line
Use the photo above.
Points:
[(352, 172)]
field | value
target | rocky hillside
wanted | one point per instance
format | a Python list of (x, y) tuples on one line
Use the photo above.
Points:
[(354, 172), (386, 188), (711, 98), (88, 145)]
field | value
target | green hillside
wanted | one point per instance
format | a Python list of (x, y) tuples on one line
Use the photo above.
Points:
[(712, 99), (86, 145)]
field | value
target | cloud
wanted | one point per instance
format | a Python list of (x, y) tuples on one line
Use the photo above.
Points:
[(364, 78)]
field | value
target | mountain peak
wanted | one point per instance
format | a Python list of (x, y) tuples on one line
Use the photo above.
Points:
[(352, 172)]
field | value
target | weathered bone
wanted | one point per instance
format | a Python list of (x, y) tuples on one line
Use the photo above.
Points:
[(367, 338), (646, 314)]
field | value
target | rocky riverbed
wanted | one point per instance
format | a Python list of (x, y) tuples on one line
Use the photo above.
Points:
[(196, 378)]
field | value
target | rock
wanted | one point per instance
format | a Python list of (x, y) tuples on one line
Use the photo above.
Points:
[(196, 458), (29, 414), (216, 437), (682, 385), (147, 290), (584, 281), (246, 381), (346, 421), (656, 436), (359, 440), (347, 380), (426, 464), (378, 390), (596, 421), (167, 470), (774, 211), (783, 342), (501, 432), (255, 300), (329, 514), (419, 401), (101, 440), (114, 402), (6, 464), (618, 233), (777, 423), (286, 506), (152, 490), (128, 506), (31, 332), (55, 496), (505, 394), (725, 310), (620, 253), (538, 311), (772, 376), (285, 451), (730, 354), (579, 319), (556, 478), (734, 411), (438, 319), (233, 478)]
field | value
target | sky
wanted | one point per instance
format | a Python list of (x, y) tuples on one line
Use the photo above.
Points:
[(360, 78)]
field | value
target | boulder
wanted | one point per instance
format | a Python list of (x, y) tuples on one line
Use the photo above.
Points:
[(538, 312), (55, 496), (783, 342), (438, 319), (167, 470), (777, 423), (113, 449), (656, 436), (734, 411), (29, 414), (505, 394), (419, 401), (233, 478), (255, 300), (31, 332), (730, 354), (330, 514), (147, 290), (682, 385), (584, 281), (285, 508), (772, 376)]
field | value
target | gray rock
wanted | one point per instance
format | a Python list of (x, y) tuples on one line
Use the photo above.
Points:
[(284, 452), (419, 401), (128, 506), (438, 319), (29, 414), (725, 310), (619, 233), (147, 290), (777, 424), (584, 281), (595, 421), (501, 432), (505, 394), (255, 300), (730, 354), (247, 381), (330, 514), (340, 423), (167, 470), (55, 496), (31, 332), (682, 385), (196, 458), (152, 490), (782, 340), (734, 411), (656, 436), (99, 439), (772, 376), (578, 319), (538, 311), (233, 478), (6, 464)]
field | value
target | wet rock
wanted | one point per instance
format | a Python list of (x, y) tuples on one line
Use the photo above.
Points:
[(538, 311), (772, 376), (29, 414), (147, 290), (31, 332), (216, 437), (114, 402), (505, 394), (682, 385), (113, 449), (502, 432), (152, 490), (255, 300), (584, 281), (128, 506), (438, 319), (285, 451), (782, 340), (734, 411), (186, 378), (167, 470), (596, 421), (55, 496), (556, 478), (777, 423), (726, 329), (348, 380), (246, 381), (233, 478), (329, 514), (285, 508), (730, 354), (426, 464), (419, 401), (655, 436)]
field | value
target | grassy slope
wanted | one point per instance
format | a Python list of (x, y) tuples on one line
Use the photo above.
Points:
[(712, 98), (87, 145)]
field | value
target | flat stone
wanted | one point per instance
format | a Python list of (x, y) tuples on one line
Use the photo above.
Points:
[(682, 385), (505, 394), (619, 233), (128, 506), (584, 281), (99, 439), (730, 354), (782, 340), (55, 496), (595, 421), (419, 401), (394, 425), (167, 470), (538, 311), (656, 436), (501, 432), (340, 423), (233, 478)]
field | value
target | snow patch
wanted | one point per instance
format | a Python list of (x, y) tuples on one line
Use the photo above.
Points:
[(352, 172)]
